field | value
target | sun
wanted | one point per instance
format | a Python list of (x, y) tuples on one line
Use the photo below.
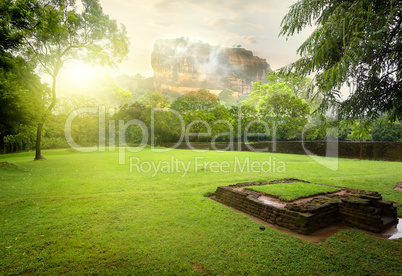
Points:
[(80, 73), (77, 78)]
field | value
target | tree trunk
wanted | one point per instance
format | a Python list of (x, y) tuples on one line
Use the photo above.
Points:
[(38, 154), (361, 149)]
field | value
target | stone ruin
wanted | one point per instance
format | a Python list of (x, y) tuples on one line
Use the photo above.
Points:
[(351, 207)]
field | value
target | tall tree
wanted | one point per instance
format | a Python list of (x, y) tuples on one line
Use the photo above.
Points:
[(358, 43), (360, 130), (196, 106), (281, 83), (287, 112), (22, 95), (22, 98), (60, 33), (201, 99), (228, 98)]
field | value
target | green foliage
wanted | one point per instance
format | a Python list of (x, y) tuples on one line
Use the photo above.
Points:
[(126, 113), (108, 91), (288, 112), (281, 83), (130, 112), (284, 103), (22, 95), (360, 130), (387, 132), (84, 128), (56, 142), (228, 98), (155, 100), (196, 100), (355, 42), (22, 98), (138, 85), (165, 124), (299, 84), (279, 103), (321, 127), (171, 96), (16, 17), (198, 106), (294, 190), (243, 117), (61, 33), (262, 92)]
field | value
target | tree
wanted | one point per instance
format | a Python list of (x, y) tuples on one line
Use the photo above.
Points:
[(241, 117), (84, 128), (15, 20), (22, 95), (357, 43), (298, 84), (282, 83), (360, 130), (228, 97), (288, 113), (155, 100), (22, 98), (263, 91), (165, 125), (196, 100), (136, 110), (196, 106), (59, 33), (387, 131), (283, 102)]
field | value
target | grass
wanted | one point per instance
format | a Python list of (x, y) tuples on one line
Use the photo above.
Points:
[(83, 213), (294, 190)]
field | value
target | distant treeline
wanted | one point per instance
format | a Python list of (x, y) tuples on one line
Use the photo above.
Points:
[(279, 110)]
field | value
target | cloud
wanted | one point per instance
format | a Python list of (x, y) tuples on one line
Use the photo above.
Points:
[(251, 39), (229, 5), (162, 24), (216, 22), (232, 21)]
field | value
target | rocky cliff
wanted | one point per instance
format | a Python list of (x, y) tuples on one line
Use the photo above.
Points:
[(181, 66)]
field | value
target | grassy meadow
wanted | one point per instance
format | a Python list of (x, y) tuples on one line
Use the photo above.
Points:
[(83, 213), (294, 190)]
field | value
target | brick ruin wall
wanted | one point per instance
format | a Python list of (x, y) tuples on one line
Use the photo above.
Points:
[(361, 211), (386, 151)]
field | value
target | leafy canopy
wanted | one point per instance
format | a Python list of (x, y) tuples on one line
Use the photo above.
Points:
[(358, 43), (201, 99), (22, 96), (62, 33), (280, 83)]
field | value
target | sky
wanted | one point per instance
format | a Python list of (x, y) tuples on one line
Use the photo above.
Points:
[(254, 24)]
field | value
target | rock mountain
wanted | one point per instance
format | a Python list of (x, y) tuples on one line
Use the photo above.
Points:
[(182, 66)]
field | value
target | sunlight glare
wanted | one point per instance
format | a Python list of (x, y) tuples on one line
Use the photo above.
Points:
[(80, 74)]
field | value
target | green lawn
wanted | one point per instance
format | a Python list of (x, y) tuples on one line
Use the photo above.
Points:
[(294, 190), (83, 213)]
